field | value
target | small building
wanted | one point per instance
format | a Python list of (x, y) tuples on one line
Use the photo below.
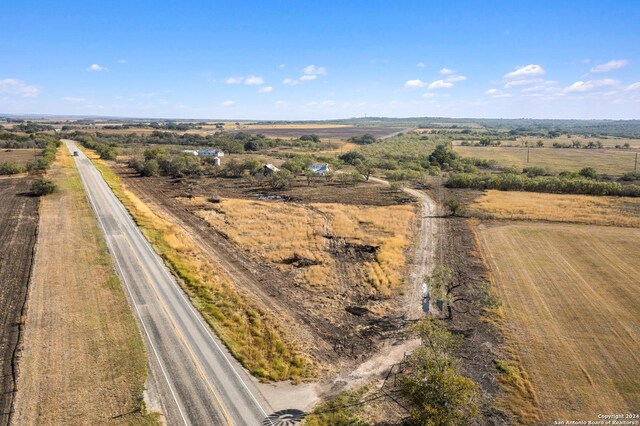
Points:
[(189, 152), (269, 168), (211, 152), (320, 169)]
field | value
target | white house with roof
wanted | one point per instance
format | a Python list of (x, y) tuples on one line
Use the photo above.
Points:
[(211, 152), (320, 169)]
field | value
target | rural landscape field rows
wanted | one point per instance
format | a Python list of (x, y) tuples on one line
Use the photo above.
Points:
[(18, 235), (570, 294), (286, 214)]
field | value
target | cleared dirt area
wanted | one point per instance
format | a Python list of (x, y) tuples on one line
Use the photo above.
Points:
[(83, 360), (587, 209), (570, 298), (18, 156), (336, 325), (18, 233), (610, 161)]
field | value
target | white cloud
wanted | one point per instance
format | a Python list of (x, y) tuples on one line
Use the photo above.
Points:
[(280, 104), (541, 88), (96, 68), (267, 89), (634, 86), (122, 61), (455, 78), (234, 80), (312, 103), (253, 80), (289, 81), (610, 66), (495, 93), (73, 99), (586, 61), (281, 66), (525, 72), (328, 103), (17, 87), (587, 86), (414, 84), (308, 77), (440, 84), (523, 82), (313, 70), (446, 71), (421, 65), (228, 103)]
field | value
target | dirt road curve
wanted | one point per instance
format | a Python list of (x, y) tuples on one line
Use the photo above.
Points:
[(196, 380), (424, 253)]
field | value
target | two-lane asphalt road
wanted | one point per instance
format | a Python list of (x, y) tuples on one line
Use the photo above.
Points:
[(196, 380)]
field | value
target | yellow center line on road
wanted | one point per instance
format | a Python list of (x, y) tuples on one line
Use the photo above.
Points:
[(179, 333), (181, 336)]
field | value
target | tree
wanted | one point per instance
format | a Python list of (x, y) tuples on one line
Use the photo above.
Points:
[(151, 168), (431, 381), (454, 206), (540, 144), (444, 286), (42, 186), (365, 139), (351, 156), (312, 138), (589, 173), (280, 180), (365, 169)]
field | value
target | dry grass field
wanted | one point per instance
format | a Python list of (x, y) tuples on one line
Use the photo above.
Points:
[(609, 142), (83, 358), (278, 232), (587, 209), (609, 161), (571, 297), (18, 156)]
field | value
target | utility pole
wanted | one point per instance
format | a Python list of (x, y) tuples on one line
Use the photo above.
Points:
[(635, 166), (527, 154)]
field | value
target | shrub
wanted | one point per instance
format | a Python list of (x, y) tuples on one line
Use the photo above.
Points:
[(589, 173), (10, 169), (42, 186), (281, 180), (454, 206), (532, 171), (151, 168)]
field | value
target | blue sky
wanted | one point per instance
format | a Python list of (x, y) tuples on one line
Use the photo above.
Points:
[(316, 60)]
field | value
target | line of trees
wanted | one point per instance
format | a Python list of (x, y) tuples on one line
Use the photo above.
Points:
[(564, 184)]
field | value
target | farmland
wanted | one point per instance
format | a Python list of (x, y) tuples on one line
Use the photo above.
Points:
[(18, 156), (609, 161), (83, 360), (18, 232), (570, 300), (586, 209)]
